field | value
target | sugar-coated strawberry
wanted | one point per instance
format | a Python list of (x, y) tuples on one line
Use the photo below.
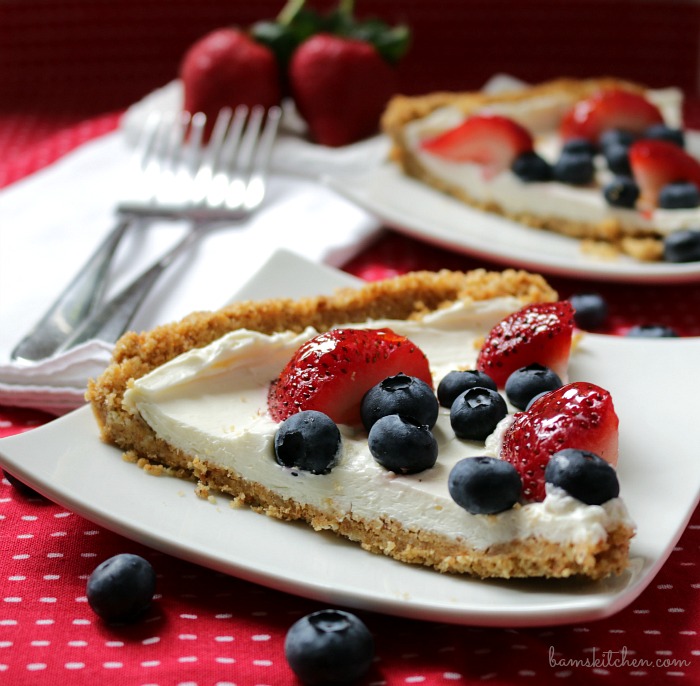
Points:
[(606, 110), (226, 68), (493, 141), (332, 372), (579, 415), (340, 87), (539, 333), (656, 163)]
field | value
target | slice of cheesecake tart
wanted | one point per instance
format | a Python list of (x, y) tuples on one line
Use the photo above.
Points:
[(602, 160), (374, 413)]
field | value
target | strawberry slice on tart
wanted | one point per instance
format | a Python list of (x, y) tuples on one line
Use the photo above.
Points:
[(539, 333), (656, 163), (332, 371), (492, 141), (579, 415), (609, 109)]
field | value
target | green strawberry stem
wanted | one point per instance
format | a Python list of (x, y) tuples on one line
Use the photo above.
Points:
[(290, 11)]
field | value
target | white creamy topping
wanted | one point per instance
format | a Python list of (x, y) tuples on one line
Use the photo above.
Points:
[(212, 403), (542, 116)]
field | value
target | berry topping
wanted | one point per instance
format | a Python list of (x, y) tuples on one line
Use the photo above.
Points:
[(484, 485), (682, 246), (622, 191), (456, 382), (531, 167), (657, 163), (613, 137), (579, 415), (329, 647), (332, 372), (590, 310), (574, 168), (490, 140), (475, 413), (537, 333), (651, 331), (662, 132), (527, 382), (121, 588), (308, 441), (618, 159), (679, 195), (609, 109), (401, 445), (579, 146), (400, 394), (583, 475)]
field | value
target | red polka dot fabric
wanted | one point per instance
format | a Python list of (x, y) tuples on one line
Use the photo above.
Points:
[(67, 70)]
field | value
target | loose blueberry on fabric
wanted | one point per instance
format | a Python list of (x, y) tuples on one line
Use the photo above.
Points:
[(531, 167), (682, 246), (121, 589), (590, 310), (527, 382), (456, 382), (308, 441), (651, 331), (402, 445), (329, 647), (622, 191), (476, 412), (484, 485), (583, 475), (400, 394), (679, 195)]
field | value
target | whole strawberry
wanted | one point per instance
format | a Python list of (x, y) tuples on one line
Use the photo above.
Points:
[(341, 87), (226, 68)]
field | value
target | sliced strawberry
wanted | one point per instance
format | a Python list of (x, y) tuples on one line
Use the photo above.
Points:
[(609, 109), (490, 140), (579, 415), (332, 372), (655, 163), (537, 333)]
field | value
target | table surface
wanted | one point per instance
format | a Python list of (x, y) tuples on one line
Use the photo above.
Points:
[(208, 628)]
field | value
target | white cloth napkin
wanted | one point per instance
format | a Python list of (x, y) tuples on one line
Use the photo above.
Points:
[(52, 221)]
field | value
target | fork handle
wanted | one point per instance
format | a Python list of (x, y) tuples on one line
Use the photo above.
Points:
[(74, 304), (113, 318)]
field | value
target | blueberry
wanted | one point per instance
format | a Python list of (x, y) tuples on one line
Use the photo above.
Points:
[(590, 310), (20, 486), (666, 133), (329, 647), (458, 381), (651, 331), (618, 159), (679, 195), (574, 168), (622, 191), (613, 137), (682, 246), (583, 475), (401, 445), (308, 441), (476, 412), (534, 399), (527, 382), (400, 394), (121, 588), (579, 145), (529, 166), (484, 485)]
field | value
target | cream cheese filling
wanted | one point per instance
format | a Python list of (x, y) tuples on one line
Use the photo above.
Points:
[(548, 199), (211, 403)]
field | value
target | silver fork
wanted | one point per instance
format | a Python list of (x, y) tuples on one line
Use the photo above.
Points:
[(152, 160), (227, 183)]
